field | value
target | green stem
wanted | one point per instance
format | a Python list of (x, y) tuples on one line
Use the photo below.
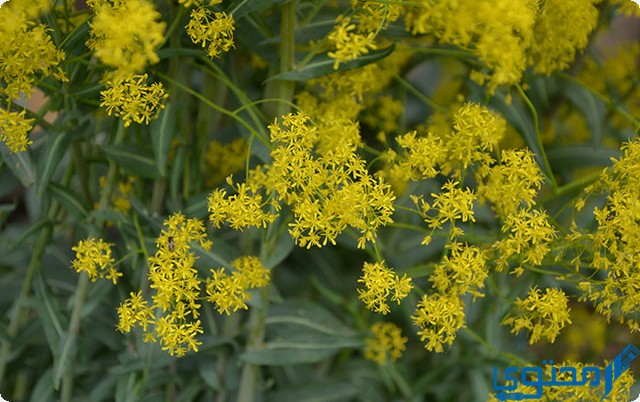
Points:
[(68, 351), (536, 127), (20, 312), (418, 94), (250, 377), (283, 89)]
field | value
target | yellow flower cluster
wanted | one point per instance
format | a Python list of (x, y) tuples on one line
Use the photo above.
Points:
[(499, 32), (511, 184), (476, 133), (230, 292), (213, 30), (94, 257), (615, 246), (348, 43), (380, 282), (13, 130), (439, 318), (386, 345), (463, 271), (243, 209), (355, 35), (26, 51), (528, 236), (620, 390), (326, 193), (568, 34), (542, 314), (175, 303), (133, 99), (125, 34), (221, 160), (451, 204)]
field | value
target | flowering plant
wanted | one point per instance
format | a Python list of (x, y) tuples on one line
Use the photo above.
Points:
[(391, 197)]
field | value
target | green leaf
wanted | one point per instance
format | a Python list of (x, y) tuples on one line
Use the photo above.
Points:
[(520, 119), (20, 165), (133, 159), (197, 206), (323, 65), (176, 173), (317, 392), (301, 332), (162, 130), (69, 201), (578, 156), (43, 390), (592, 108), (240, 8), (54, 149), (207, 371)]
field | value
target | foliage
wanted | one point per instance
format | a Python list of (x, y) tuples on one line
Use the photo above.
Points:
[(268, 200)]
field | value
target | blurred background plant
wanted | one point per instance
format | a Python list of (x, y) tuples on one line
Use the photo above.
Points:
[(308, 200)]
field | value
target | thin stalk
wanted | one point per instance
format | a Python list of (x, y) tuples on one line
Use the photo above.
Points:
[(20, 312), (83, 280), (536, 127)]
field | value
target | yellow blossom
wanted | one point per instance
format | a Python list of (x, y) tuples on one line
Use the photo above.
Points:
[(542, 314), (463, 271), (558, 38), (387, 343), (13, 130), (94, 257), (439, 318), (125, 34), (213, 30), (512, 183), (132, 99), (349, 45), (380, 282)]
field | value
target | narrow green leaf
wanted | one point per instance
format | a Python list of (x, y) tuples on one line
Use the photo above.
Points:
[(197, 206), (207, 371), (43, 390), (323, 65), (592, 108), (54, 149), (317, 392), (133, 159), (303, 354), (570, 157), (20, 165), (176, 173), (520, 119), (69, 201), (67, 351), (162, 130), (240, 8)]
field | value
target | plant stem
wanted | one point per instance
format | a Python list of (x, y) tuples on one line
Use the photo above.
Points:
[(83, 280), (34, 264)]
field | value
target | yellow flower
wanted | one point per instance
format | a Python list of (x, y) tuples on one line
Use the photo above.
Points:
[(387, 343), (439, 318), (511, 183), (463, 271), (558, 38), (348, 44), (543, 315), (132, 99), (213, 30), (13, 130), (125, 34), (380, 282), (528, 235), (94, 257)]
